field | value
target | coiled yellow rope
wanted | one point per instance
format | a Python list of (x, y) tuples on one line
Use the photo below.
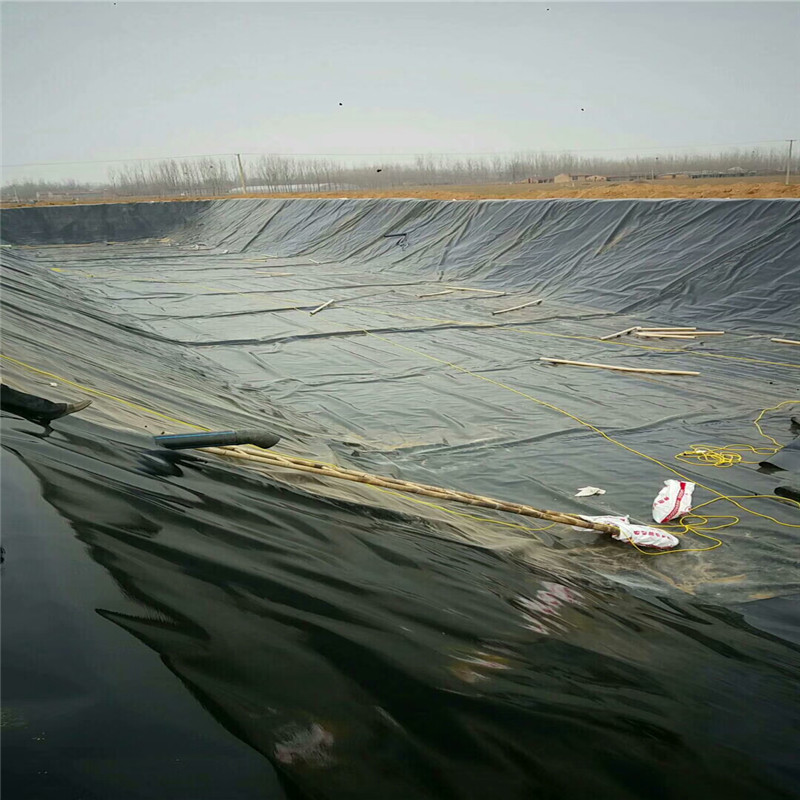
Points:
[(706, 455)]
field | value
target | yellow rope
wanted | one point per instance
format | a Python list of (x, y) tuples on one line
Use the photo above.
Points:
[(706, 455), (687, 528), (408, 497), (97, 392), (692, 529)]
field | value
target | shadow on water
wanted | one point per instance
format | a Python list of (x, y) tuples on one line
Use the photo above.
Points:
[(371, 655)]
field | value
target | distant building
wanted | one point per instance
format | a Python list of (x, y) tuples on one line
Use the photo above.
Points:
[(627, 178), (537, 179), (565, 178), (596, 178), (708, 173)]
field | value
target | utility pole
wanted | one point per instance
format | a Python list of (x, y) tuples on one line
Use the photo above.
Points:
[(789, 161), (241, 173)]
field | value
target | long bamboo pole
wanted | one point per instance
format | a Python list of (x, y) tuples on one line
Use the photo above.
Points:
[(268, 458), (785, 341)]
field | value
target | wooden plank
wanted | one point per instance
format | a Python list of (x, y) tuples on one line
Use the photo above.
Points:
[(615, 368)]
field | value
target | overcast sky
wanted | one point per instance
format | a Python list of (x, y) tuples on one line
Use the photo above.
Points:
[(95, 81)]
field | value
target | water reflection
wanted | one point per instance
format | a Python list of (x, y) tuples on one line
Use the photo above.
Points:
[(366, 658), (542, 611)]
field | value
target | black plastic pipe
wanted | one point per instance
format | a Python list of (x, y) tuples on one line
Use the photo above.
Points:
[(183, 441)]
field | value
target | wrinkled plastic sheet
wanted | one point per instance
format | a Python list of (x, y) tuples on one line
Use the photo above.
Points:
[(200, 311)]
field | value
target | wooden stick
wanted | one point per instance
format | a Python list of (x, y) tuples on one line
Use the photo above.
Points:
[(517, 308), (785, 341), (467, 289), (620, 333), (617, 369), (435, 294), (268, 458), (316, 310)]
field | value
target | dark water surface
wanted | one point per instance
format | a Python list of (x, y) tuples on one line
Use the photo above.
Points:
[(192, 630)]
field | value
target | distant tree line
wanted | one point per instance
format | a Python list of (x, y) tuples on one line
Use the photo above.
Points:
[(208, 176)]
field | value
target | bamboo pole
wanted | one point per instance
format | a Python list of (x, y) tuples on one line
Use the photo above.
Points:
[(620, 333), (785, 341), (319, 308), (268, 458), (435, 294), (517, 308), (617, 369)]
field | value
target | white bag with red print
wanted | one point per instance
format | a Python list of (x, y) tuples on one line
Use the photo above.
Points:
[(640, 535), (645, 536), (673, 501)]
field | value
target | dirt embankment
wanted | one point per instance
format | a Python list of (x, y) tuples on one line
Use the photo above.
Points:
[(608, 191), (713, 188)]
